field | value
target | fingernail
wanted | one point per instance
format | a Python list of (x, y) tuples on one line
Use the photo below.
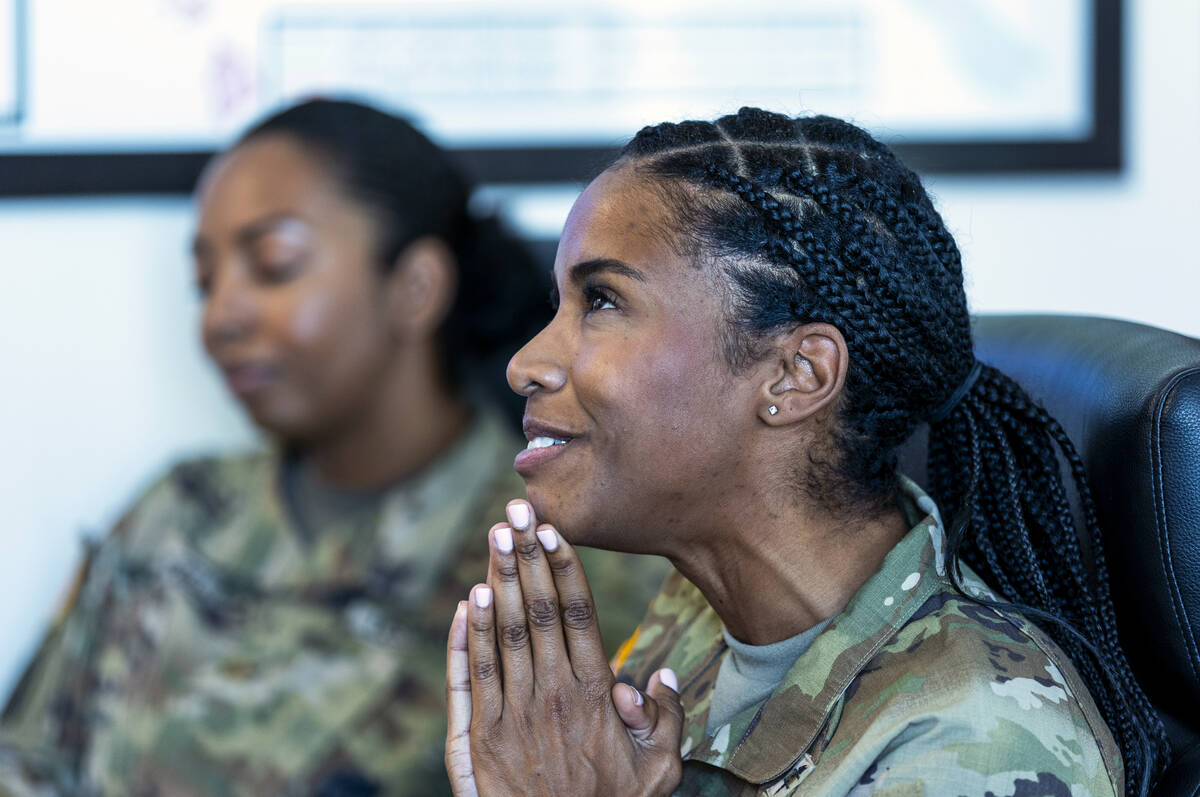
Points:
[(667, 676), (548, 538), (504, 540), (637, 696), (483, 597), (518, 515)]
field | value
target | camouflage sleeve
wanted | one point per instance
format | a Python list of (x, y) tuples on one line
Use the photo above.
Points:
[(974, 757), (25, 774), (31, 761), (42, 724)]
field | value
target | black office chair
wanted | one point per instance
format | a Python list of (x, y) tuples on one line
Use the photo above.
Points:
[(1128, 395)]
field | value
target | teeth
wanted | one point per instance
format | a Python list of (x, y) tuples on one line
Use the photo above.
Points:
[(544, 442)]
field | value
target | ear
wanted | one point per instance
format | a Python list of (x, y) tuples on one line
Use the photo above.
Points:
[(421, 288), (808, 374)]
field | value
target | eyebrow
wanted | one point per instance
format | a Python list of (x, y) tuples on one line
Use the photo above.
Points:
[(263, 226), (590, 268), (247, 234)]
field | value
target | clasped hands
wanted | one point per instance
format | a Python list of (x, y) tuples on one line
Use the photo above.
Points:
[(533, 706)]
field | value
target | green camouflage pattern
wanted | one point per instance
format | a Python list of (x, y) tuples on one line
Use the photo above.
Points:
[(911, 690), (213, 650)]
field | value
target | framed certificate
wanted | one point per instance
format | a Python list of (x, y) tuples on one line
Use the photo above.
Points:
[(533, 91), (12, 64)]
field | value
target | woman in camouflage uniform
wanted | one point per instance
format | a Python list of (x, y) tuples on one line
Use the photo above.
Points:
[(274, 623), (754, 315)]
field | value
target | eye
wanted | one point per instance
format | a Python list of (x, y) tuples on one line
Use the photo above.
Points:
[(281, 253), (598, 298), (203, 278), (277, 270)]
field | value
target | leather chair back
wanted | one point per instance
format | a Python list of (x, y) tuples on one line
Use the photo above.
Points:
[(1128, 395)]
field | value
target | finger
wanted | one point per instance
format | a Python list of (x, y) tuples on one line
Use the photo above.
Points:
[(664, 732), (516, 657), (635, 711), (487, 693), (458, 675), (541, 597), (458, 707), (655, 725), (585, 647)]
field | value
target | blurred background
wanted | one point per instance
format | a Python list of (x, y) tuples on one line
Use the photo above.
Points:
[(1059, 137)]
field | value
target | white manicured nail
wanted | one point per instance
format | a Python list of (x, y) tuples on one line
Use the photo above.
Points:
[(504, 540), (518, 515), (637, 697), (548, 538), (668, 678), (483, 597)]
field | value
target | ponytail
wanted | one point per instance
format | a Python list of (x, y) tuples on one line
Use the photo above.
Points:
[(994, 469)]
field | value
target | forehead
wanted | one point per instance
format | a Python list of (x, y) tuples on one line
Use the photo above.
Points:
[(271, 175), (622, 216)]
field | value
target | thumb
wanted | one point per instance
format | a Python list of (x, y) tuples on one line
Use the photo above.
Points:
[(655, 717)]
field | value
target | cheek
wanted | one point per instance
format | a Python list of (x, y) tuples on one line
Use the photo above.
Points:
[(314, 320), (331, 339), (656, 401), (335, 312)]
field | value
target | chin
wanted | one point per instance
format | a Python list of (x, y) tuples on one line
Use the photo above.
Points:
[(546, 507), (585, 526), (279, 425), (553, 508)]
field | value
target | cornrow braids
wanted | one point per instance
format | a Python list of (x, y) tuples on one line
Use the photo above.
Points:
[(811, 219)]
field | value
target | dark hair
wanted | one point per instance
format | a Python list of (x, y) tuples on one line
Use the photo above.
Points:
[(414, 189), (811, 219)]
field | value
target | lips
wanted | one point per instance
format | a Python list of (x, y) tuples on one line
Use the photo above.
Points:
[(546, 442), (249, 378)]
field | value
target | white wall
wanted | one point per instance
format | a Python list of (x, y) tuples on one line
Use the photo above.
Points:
[(1121, 246), (104, 383)]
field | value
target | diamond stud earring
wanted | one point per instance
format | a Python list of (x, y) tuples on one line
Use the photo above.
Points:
[(772, 409)]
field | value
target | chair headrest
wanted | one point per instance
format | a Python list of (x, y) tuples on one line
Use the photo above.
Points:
[(1128, 395)]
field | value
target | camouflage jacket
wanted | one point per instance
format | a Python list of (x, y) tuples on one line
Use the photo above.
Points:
[(212, 650), (911, 690)]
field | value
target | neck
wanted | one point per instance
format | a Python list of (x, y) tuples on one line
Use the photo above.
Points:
[(777, 569), (409, 422)]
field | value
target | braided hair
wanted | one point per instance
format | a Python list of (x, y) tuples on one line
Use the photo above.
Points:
[(812, 219)]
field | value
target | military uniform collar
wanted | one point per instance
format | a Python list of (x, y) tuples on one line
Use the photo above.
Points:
[(400, 549), (425, 521), (769, 741)]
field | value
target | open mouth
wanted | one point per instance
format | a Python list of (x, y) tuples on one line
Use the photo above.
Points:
[(248, 379), (544, 442)]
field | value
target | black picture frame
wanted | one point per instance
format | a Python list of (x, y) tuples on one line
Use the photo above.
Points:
[(175, 172), (13, 116)]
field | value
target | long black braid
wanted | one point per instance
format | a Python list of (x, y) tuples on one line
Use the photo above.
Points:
[(811, 219)]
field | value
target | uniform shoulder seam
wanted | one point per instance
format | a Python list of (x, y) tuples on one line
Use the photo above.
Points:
[(1032, 632)]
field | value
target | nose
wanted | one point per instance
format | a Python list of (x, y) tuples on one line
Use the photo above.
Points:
[(539, 364), (230, 309)]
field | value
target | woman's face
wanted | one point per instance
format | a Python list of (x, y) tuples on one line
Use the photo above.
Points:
[(293, 314), (630, 375)]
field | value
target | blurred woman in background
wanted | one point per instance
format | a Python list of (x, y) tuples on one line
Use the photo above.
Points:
[(274, 623)]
